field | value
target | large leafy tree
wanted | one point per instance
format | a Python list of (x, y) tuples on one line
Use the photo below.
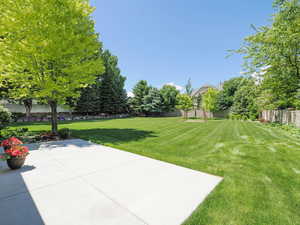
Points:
[(273, 53), (168, 94), (225, 97), (49, 47), (245, 101)]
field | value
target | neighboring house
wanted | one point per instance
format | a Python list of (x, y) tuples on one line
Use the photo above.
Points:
[(201, 90), (199, 112), (36, 108)]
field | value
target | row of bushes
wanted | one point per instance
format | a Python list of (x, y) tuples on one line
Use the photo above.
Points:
[(27, 136), (242, 117)]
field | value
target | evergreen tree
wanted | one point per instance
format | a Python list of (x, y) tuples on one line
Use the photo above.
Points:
[(188, 87), (140, 90), (152, 102), (112, 95), (107, 94)]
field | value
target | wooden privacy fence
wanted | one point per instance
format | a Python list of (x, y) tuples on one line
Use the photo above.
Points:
[(282, 116), (198, 113)]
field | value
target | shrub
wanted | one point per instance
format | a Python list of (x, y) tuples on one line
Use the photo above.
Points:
[(8, 132), (5, 117), (235, 117), (291, 129), (64, 133), (15, 116)]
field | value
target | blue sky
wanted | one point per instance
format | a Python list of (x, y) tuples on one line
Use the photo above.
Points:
[(168, 41)]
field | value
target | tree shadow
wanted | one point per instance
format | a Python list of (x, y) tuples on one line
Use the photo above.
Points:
[(112, 135), (16, 203)]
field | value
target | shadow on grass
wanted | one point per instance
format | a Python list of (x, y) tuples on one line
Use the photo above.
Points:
[(112, 135), (61, 122)]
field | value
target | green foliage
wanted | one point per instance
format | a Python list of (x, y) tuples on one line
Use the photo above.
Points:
[(169, 94), (5, 117), (64, 133), (209, 100), (112, 95), (238, 117), (140, 90), (291, 129), (198, 101), (188, 87), (107, 94), (18, 133), (50, 49), (245, 102), (273, 53), (226, 95), (152, 102), (185, 103)]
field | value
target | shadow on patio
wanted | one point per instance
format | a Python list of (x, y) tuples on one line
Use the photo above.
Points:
[(17, 207)]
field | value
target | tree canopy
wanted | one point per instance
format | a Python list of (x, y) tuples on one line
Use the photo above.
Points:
[(273, 54), (140, 90), (209, 100), (149, 100), (107, 93), (169, 94), (185, 103), (245, 101), (152, 102), (49, 47), (225, 97)]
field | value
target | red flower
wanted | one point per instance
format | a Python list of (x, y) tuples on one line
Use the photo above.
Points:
[(17, 151), (11, 142)]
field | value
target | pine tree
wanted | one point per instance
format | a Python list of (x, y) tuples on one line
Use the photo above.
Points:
[(140, 90), (107, 94), (153, 102)]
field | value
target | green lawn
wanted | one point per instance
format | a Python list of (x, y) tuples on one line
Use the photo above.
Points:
[(260, 165)]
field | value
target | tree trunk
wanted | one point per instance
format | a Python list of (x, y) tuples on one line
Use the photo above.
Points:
[(205, 116), (28, 106), (53, 105)]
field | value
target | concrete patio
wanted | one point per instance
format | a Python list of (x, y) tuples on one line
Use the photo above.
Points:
[(76, 182)]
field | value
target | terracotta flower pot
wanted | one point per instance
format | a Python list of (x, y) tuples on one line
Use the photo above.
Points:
[(15, 162)]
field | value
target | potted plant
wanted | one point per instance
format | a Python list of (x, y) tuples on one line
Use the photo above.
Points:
[(14, 153)]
